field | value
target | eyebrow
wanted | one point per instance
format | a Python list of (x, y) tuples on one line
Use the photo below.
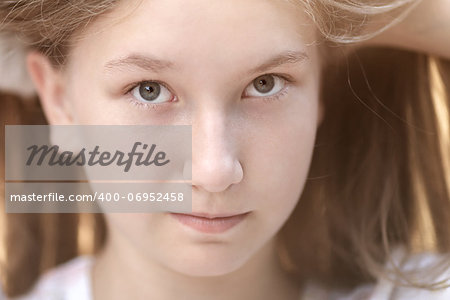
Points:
[(140, 61), (288, 57), (155, 65)]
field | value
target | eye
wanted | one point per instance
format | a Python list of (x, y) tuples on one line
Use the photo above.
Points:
[(265, 85), (151, 92)]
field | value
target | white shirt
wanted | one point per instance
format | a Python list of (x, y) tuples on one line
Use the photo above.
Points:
[(69, 281), (72, 281)]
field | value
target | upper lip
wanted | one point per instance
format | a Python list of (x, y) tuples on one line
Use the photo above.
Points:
[(213, 216)]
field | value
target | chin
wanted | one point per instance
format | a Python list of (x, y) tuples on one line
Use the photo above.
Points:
[(206, 269), (213, 263)]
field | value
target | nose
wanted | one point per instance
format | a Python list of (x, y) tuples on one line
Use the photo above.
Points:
[(215, 165)]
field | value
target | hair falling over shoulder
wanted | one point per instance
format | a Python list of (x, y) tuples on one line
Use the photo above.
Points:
[(379, 178), (380, 174)]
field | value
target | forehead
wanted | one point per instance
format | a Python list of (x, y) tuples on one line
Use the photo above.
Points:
[(193, 31)]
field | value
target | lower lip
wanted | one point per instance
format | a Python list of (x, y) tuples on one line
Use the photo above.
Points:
[(205, 225)]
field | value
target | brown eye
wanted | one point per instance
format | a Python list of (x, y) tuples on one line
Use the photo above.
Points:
[(151, 91), (264, 84)]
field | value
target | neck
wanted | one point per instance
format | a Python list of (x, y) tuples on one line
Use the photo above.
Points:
[(120, 273)]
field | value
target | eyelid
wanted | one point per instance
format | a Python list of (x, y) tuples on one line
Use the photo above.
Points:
[(286, 77), (131, 86)]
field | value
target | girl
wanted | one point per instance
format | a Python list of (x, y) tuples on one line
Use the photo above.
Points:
[(330, 163)]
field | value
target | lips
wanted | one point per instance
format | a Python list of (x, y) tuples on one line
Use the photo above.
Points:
[(208, 223)]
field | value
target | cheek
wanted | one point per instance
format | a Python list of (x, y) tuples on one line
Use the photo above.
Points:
[(280, 154), (282, 143), (284, 167)]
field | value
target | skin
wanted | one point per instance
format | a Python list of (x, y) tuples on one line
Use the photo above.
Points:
[(251, 153)]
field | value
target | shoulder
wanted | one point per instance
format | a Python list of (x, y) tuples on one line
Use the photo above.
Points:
[(430, 269), (424, 268), (68, 281)]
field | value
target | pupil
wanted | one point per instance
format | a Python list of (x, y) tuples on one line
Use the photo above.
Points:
[(264, 84), (149, 90)]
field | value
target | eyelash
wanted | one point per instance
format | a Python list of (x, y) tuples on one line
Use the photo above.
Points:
[(276, 97), (150, 106), (145, 106)]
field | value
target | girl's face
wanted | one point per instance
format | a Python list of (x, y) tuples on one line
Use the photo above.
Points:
[(243, 73)]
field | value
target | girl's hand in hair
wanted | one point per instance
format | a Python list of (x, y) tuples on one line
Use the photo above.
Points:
[(426, 28)]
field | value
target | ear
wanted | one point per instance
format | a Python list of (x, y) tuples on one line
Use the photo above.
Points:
[(49, 84)]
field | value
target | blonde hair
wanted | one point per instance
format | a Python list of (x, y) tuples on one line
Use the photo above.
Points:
[(377, 179)]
